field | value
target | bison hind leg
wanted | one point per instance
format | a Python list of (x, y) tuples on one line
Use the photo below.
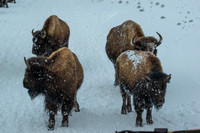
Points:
[(76, 105), (126, 105), (66, 109)]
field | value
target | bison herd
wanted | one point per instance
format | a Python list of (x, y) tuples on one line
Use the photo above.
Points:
[(57, 74)]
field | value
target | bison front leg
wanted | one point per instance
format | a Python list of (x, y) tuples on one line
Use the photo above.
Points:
[(149, 116), (139, 117), (52, 110), (139, 108), (66, 109)]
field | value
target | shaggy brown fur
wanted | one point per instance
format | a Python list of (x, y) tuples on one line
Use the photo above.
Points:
[(120, 38), (57, 77), (54, 35), (140, 74)]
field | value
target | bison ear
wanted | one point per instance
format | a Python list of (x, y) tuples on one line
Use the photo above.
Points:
[(44, 34), (26, 62), (148, 78), (168, 78)]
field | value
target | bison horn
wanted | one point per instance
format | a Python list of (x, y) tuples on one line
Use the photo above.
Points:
[(32, 31), (148, 78), (160, 40), (168, 78), (44, 34), (26, 62)]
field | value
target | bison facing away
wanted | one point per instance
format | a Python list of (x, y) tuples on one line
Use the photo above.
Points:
[(140, 74), (54, 35), (120, 39), (57, 77)]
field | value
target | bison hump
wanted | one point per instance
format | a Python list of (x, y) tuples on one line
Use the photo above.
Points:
[(62, 62)]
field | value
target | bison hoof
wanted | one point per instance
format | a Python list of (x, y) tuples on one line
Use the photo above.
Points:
[(138, 124), (123, 110), (150, 121), (65, 124), (51, 126), (129, 108)]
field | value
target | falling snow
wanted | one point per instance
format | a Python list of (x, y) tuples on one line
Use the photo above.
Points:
[(100, 102)]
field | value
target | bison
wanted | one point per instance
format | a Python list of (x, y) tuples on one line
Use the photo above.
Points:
[(140, 74), (54, 35), (57, 77), (120, 39), (4, 3)]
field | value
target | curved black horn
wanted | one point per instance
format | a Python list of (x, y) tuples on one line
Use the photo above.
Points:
[(32, 31), (160, 40)]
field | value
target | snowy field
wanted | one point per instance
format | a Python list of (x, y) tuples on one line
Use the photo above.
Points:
[(90, 21)]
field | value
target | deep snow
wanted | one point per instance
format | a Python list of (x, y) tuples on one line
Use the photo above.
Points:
[(178, 21)]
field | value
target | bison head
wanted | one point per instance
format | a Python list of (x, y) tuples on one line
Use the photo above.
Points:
[(38, 78), (39, 42), (147, 44), (156, 87), (34, 76)]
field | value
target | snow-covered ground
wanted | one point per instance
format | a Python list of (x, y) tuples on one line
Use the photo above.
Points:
[(178, 21)]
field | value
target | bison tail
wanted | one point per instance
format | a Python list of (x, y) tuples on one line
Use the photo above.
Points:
[(116, 75)]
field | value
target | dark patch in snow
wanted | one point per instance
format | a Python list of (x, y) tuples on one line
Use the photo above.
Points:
[(190, 21), (157, 3), (162, 6), (120, 2), (162, 17), (141, 10)]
